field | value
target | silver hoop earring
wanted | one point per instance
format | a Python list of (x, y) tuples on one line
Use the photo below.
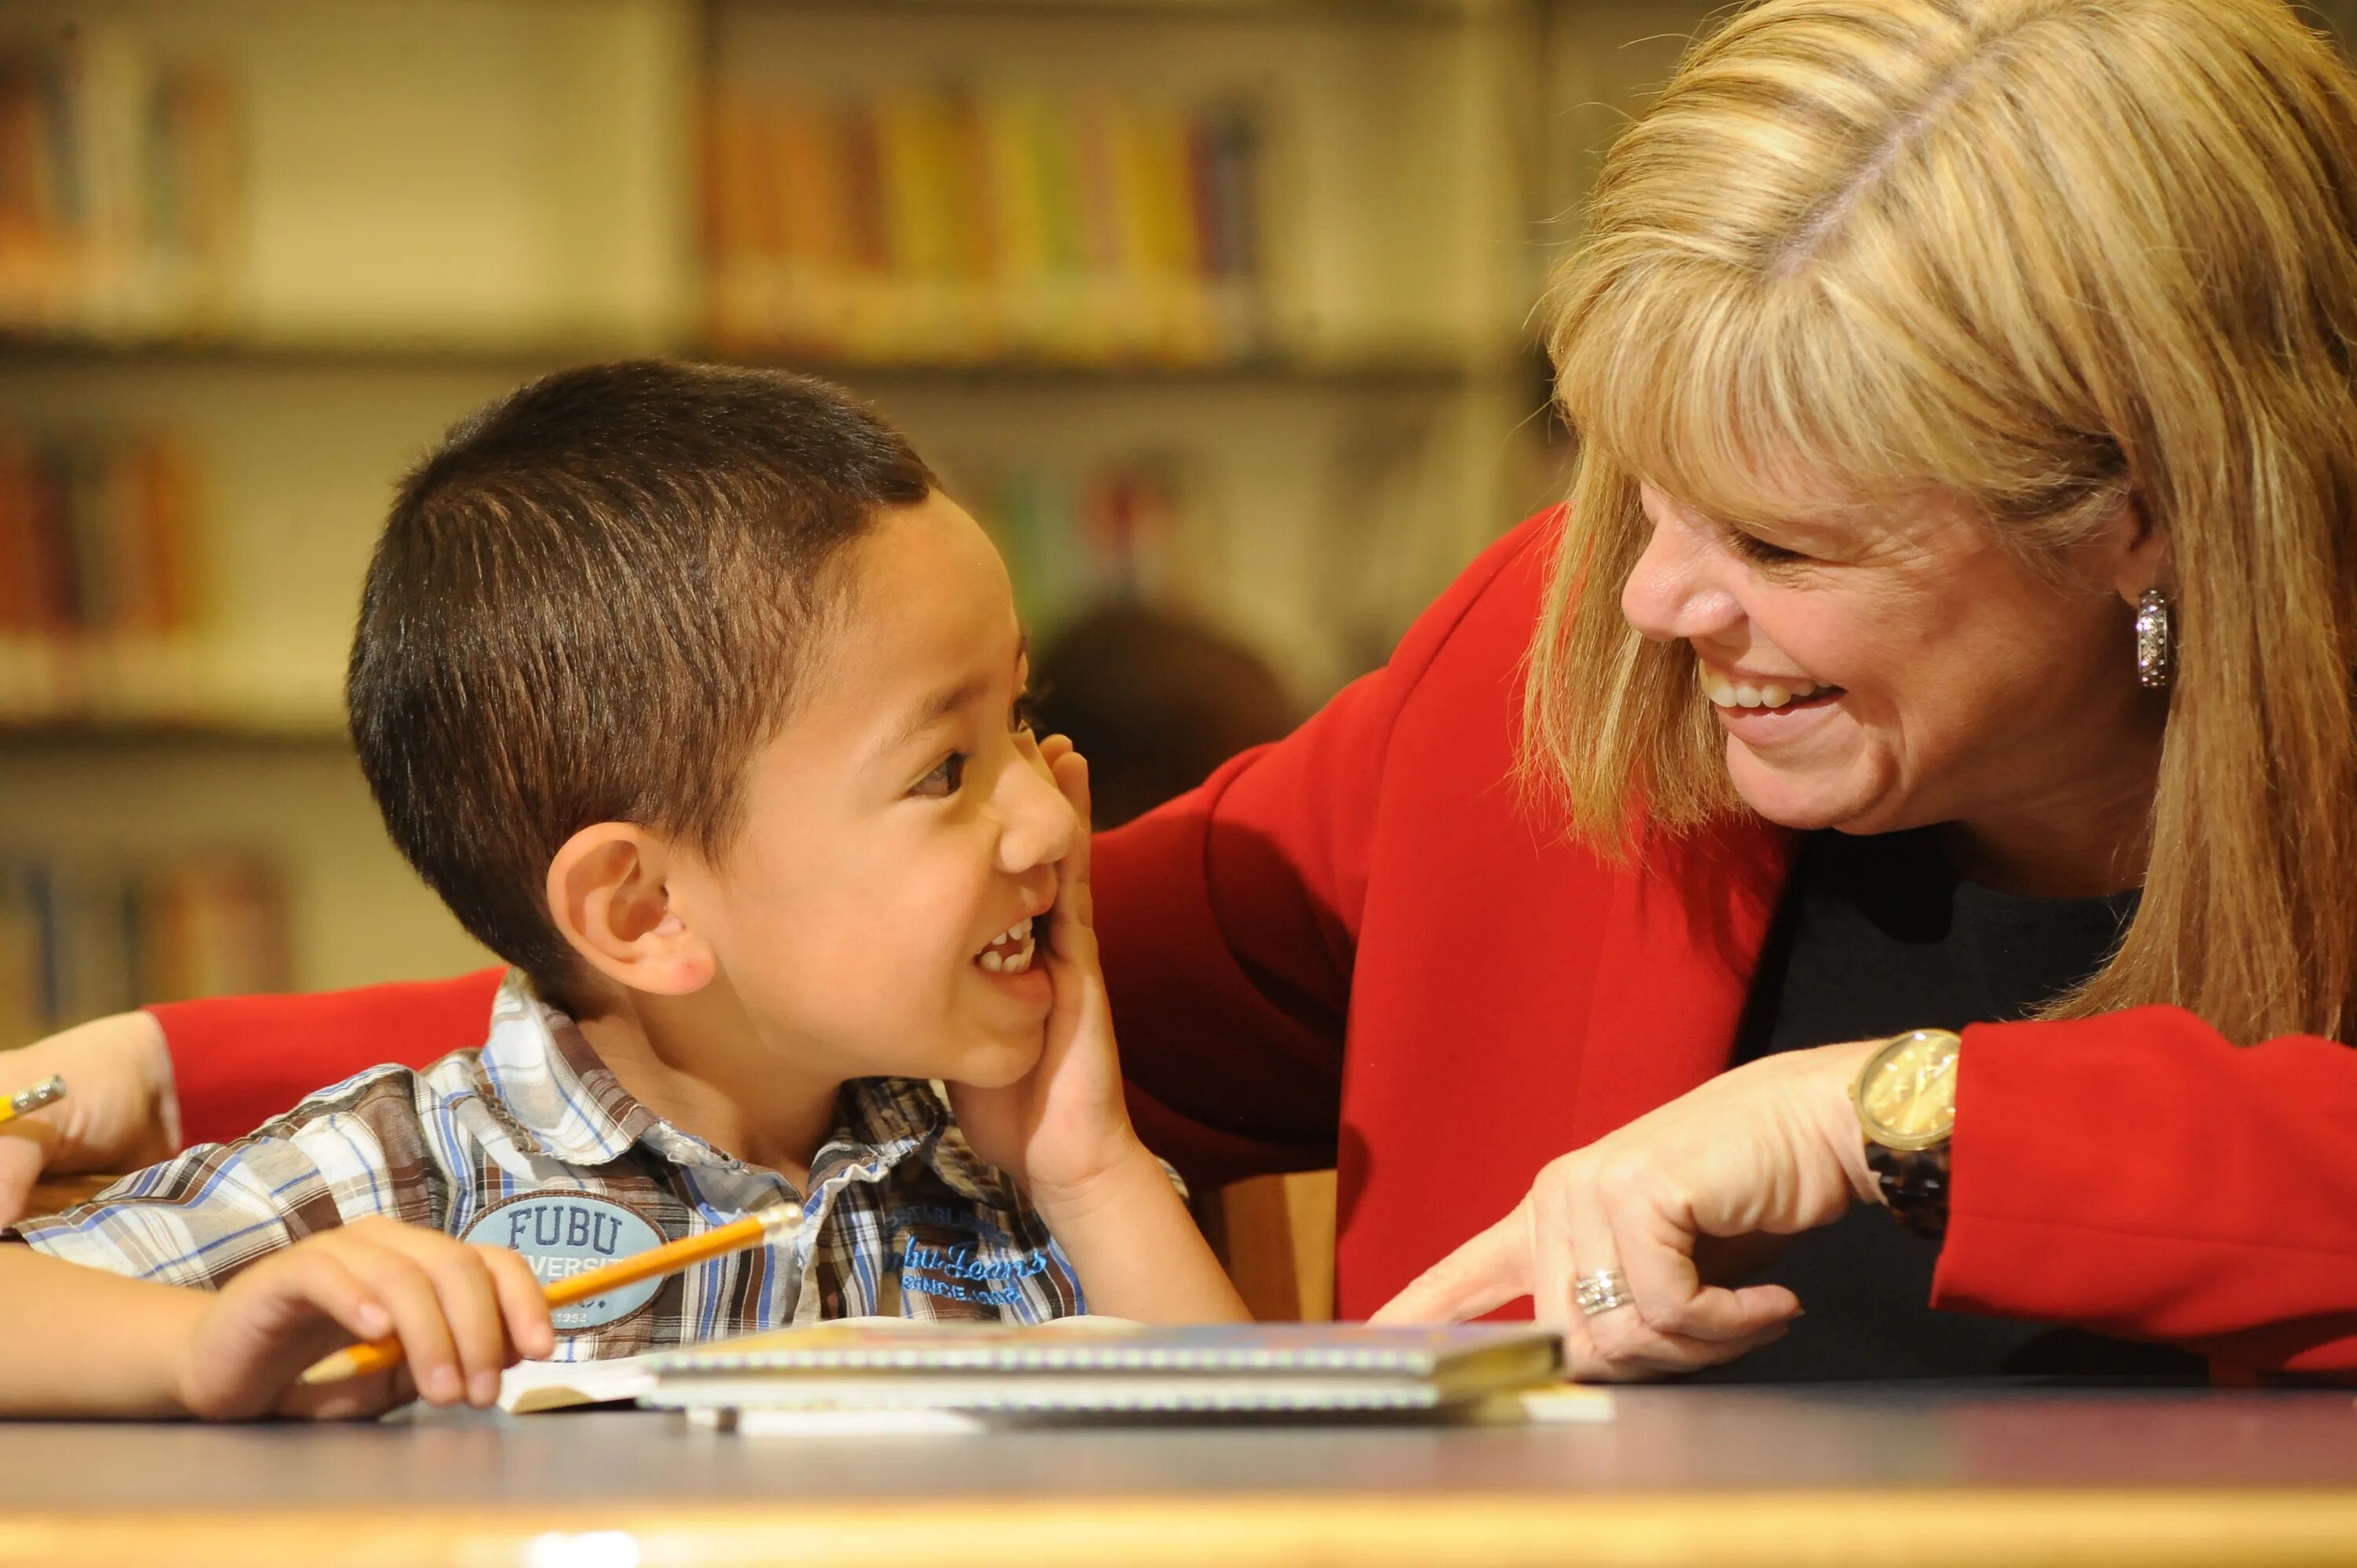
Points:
[(2156, 635)]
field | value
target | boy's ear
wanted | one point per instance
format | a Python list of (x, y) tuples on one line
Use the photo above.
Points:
[(607, 894)]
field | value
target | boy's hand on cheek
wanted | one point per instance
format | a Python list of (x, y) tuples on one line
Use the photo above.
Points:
[(462, 1314), (1063, 1129)]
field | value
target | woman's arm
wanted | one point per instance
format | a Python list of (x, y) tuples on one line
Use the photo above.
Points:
[(2138, 1175), (239, 1061), (142, 1085), (2133, 1174)]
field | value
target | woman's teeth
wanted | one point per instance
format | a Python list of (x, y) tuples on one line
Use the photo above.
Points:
[(1727, 693), (1010, 952)]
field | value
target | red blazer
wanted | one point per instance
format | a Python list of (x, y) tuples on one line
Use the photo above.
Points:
[(1358, 947)]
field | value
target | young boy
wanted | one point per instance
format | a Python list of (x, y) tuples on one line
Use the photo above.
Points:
[(697, 703)]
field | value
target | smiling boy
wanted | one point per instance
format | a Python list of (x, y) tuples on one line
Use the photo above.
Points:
[(698, 702)]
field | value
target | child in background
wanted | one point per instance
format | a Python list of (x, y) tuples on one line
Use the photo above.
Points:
[(1157, 701), (699, 704)]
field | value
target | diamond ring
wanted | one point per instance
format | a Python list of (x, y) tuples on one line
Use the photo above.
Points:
[(1601, 1291)]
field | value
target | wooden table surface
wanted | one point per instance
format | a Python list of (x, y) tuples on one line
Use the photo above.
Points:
[(1913, 1476)]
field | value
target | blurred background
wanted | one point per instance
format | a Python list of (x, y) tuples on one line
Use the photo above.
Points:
[(1218, 313)]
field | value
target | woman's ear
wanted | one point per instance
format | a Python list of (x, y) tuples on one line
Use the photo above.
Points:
[(2142, 552), (610, 897)]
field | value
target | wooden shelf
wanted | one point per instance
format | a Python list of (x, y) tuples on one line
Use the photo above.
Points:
[(392, 352), (193, 688), (1429, 13), (1374, 370), (82, 735)]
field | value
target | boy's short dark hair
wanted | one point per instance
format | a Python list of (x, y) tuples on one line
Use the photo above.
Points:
[(586, 605)]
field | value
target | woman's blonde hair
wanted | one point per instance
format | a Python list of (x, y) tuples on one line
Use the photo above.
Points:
[(2050, 255)]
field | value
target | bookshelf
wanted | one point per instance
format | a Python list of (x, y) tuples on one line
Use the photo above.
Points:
[(430, 201)]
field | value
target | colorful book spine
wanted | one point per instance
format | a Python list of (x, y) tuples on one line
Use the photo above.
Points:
[(1077, 538), (122, 190), (967, 225), (78, 941), (99, 603)]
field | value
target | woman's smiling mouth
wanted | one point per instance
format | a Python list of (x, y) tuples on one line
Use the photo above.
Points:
[(1726, 691)]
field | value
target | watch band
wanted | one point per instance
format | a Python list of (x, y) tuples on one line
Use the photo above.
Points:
[(1914, 1184)]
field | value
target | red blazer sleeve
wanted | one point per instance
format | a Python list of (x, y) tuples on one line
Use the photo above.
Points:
[(2137, 1175), (1229, 922), (239, 1061)]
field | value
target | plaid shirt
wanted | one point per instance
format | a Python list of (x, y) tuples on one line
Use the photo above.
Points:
[(529, 1141)]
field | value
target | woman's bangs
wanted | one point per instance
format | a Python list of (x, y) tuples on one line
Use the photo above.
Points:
[(1755, 405)]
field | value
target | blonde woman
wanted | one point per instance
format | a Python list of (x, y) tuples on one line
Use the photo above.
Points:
[(1951, 631)]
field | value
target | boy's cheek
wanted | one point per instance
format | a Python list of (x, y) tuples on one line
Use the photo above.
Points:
[(856, 983)]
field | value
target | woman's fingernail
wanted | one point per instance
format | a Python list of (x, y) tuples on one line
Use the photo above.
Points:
[(442, 1385), (373, 1321), (484, 1389)]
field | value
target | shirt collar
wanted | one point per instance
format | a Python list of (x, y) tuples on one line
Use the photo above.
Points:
[(565, 1103)]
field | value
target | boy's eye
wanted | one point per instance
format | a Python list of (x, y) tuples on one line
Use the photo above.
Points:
[(1024, 715), (945, 779)]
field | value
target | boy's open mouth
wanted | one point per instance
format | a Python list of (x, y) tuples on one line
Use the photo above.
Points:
[(1010, 951)]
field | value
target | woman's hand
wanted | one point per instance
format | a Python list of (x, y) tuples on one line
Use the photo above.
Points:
[(1771, 1148), (118, 1115), (1064, 1127)]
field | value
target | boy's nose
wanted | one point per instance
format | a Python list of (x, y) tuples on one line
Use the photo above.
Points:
[(1041, 826)]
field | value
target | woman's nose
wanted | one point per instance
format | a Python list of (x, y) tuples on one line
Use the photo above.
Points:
[(1677, 589)]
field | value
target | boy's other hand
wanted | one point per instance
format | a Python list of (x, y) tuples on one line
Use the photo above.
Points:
[(1064, 1127), (118, 1114), (463, 1314)]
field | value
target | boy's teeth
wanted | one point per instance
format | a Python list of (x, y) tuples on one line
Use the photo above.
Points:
[(1008, 952), (1014, 962)]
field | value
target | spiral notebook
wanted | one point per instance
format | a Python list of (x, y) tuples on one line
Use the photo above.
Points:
[(534, 1388), (1111, 1369)]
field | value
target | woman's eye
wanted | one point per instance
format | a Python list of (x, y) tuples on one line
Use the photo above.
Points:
[(945, 780), (1753, 548)]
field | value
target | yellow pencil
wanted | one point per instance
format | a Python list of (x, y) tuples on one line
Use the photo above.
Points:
[(48, 1091), (753, 1230)]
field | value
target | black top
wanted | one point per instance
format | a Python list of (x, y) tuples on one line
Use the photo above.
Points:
[(1878, 936)]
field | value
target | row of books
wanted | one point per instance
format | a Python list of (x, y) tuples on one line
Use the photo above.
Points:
[(97, 536), (82, 940), (122, 195), (99, 595), (975, 225), (1073, 537)]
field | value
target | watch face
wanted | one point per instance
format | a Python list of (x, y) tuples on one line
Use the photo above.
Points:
[(1907, 1095)]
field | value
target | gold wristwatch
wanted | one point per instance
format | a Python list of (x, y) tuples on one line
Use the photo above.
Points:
[(1906, 1100)]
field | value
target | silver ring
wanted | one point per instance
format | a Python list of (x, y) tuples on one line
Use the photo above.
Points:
[(1601, 1291)]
